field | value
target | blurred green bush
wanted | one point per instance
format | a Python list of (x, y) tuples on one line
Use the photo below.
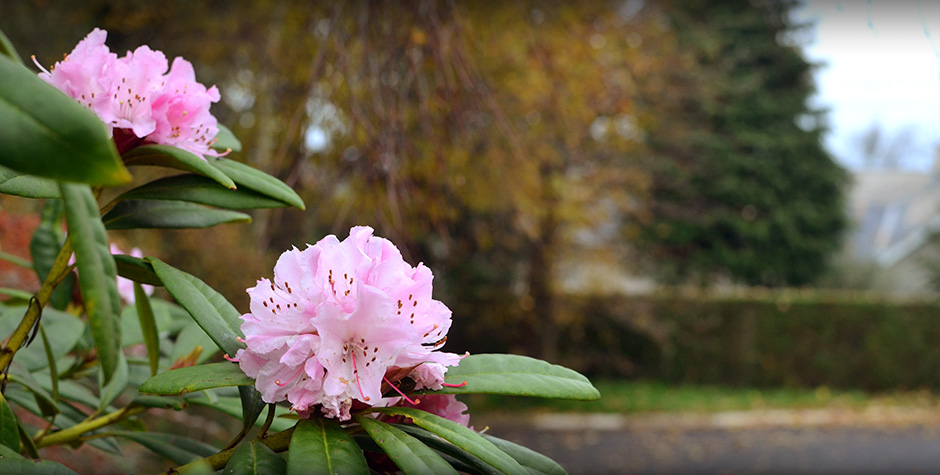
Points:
[(755, 338)]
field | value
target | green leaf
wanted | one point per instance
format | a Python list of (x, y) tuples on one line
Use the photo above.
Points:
[(473, 464), (148, 327), (44, 247), (259, 181), (252, 404), (213, 313), (110, 390), (161, 402), (177, 448), (254, 458), (50, 357), (460, 436), (45, 403), (149, 214), (225, 139), (232, 407), (8, 453), (16, 293), (176, 158), (199, 189), (408, 453), (320, 445), (136, 269), (8, 432), (533, 461), (97, 274), (191, 338), (46, 133), (517, 376), (64, 331), (27, 186), (196, 378), (33, 467), (6, 47)]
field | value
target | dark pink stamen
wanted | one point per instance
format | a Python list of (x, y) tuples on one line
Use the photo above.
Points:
[(413, 403), (455, 385), (229, 358), (356, 372), (278, 381)]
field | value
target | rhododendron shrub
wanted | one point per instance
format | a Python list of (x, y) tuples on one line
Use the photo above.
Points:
[(342, 345)]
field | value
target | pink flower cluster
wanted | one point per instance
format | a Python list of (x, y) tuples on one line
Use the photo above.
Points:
[(339, 320), (135, 96)]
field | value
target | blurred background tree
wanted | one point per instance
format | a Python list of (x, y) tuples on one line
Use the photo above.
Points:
[(742, 188), (491, 142)]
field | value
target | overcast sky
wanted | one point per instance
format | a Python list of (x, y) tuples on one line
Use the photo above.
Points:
[(883, 66)]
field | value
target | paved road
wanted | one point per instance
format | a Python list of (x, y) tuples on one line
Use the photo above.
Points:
[(770, 449)]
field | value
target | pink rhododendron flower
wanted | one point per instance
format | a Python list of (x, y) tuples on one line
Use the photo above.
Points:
[(339, 317), (135, 96)]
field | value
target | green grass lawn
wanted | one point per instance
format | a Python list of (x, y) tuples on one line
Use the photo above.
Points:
[(643, 396)]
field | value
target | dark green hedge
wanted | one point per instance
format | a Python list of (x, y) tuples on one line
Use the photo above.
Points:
[(765, 339)]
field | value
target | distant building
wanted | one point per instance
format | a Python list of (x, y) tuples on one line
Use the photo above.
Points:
[(896, 218)]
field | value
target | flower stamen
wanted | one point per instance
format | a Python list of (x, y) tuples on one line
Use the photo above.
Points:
[(356, 372), (410, 401), (278, 381), (454, 385)]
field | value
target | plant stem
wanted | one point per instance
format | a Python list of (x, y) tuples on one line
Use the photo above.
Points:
[(58, 272), (75, 432), (277, 442)]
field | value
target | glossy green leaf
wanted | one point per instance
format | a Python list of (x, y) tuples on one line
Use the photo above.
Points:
[(232, 406), (533, 461), (254, 458), (136, 269), (257, 180), (213, 313), (46, 133), (174, 447), (27, 186), (196, 378), (225, 139), (471, 463), (320, 445), (199, 189), (252, 404), (111, 389), (176, 158), (409, 454), (518, 376), (33, 467), (44, 247), (148, 327), (8, 453), (97, 274), (64, 331), (460, 436), (8, 432), (150, 214), (7, 48)]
